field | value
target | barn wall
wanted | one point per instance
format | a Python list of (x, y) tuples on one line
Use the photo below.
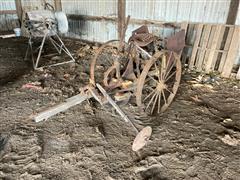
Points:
[(35, 4), (7, 21), (204, 11), (10, 21), (100, 31)]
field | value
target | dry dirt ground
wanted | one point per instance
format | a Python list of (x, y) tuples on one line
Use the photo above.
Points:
[(198, 137)]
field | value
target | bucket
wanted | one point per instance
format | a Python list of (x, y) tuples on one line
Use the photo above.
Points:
[(17, 32)]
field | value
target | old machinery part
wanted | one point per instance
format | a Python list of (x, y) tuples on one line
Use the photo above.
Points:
[(159, 82), (46, 24)]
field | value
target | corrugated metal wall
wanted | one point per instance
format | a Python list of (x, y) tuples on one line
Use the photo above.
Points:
[(100, 31), (214, 11), (207, 11), (7, 21), (35, 4)]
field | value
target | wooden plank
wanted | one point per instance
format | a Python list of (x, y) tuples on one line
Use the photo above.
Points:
[(188, 46), (195, 46), (238, 74), (226, 48), (212, 58), (19, 9), (205, 40), (184, 25), (58, 5), (209, 44), (232, 53), (8, 12), (219, 50), (70, 102)]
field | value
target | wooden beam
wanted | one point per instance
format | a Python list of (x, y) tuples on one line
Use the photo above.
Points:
[(8, 12), (19, 10), (58, 5), (232, 53), (233, 11), (121, 17), (131, 21), (70, 102)]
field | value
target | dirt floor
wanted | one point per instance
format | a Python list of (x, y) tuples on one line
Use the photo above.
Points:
[(198, 137)]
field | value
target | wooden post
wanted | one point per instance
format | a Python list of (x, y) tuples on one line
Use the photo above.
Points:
[(121, 17), (19, 10), (232, 53), (58, 5), (232, 12)]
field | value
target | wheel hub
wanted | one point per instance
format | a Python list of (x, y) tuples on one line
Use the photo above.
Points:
[(161, 85)]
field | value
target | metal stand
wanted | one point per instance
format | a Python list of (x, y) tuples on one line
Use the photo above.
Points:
[(58, 45)]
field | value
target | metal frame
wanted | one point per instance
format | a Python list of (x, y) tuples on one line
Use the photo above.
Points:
[(58, 45)]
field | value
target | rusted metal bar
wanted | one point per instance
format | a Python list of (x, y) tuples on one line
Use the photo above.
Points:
[(120, 112)]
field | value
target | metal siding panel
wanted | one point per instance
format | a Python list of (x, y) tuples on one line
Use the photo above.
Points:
[(8, 21), (160, 10), (184, 9), (171, 11), (197, 11), (91, 8), (214, 11)]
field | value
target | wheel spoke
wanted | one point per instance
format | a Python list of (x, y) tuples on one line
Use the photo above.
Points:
[(169, 70), (170, 76), (169, 91), (154, 103), (149, 95), (148, 87), (164, 97), (163, 67), (169, 59), (157, 71), (152, 78), (149, 103), (159, 101)]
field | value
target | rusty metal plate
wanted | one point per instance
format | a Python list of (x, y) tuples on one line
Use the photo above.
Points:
[(176, 42)]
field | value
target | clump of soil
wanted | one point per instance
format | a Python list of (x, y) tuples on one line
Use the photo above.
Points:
[(198, 137)]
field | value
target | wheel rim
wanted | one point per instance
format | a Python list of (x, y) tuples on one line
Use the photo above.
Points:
[(110, 53), (159, 82)]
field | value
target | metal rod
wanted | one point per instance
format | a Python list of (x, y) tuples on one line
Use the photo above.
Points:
[(120, 112), (40, 51), (145, 52)]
